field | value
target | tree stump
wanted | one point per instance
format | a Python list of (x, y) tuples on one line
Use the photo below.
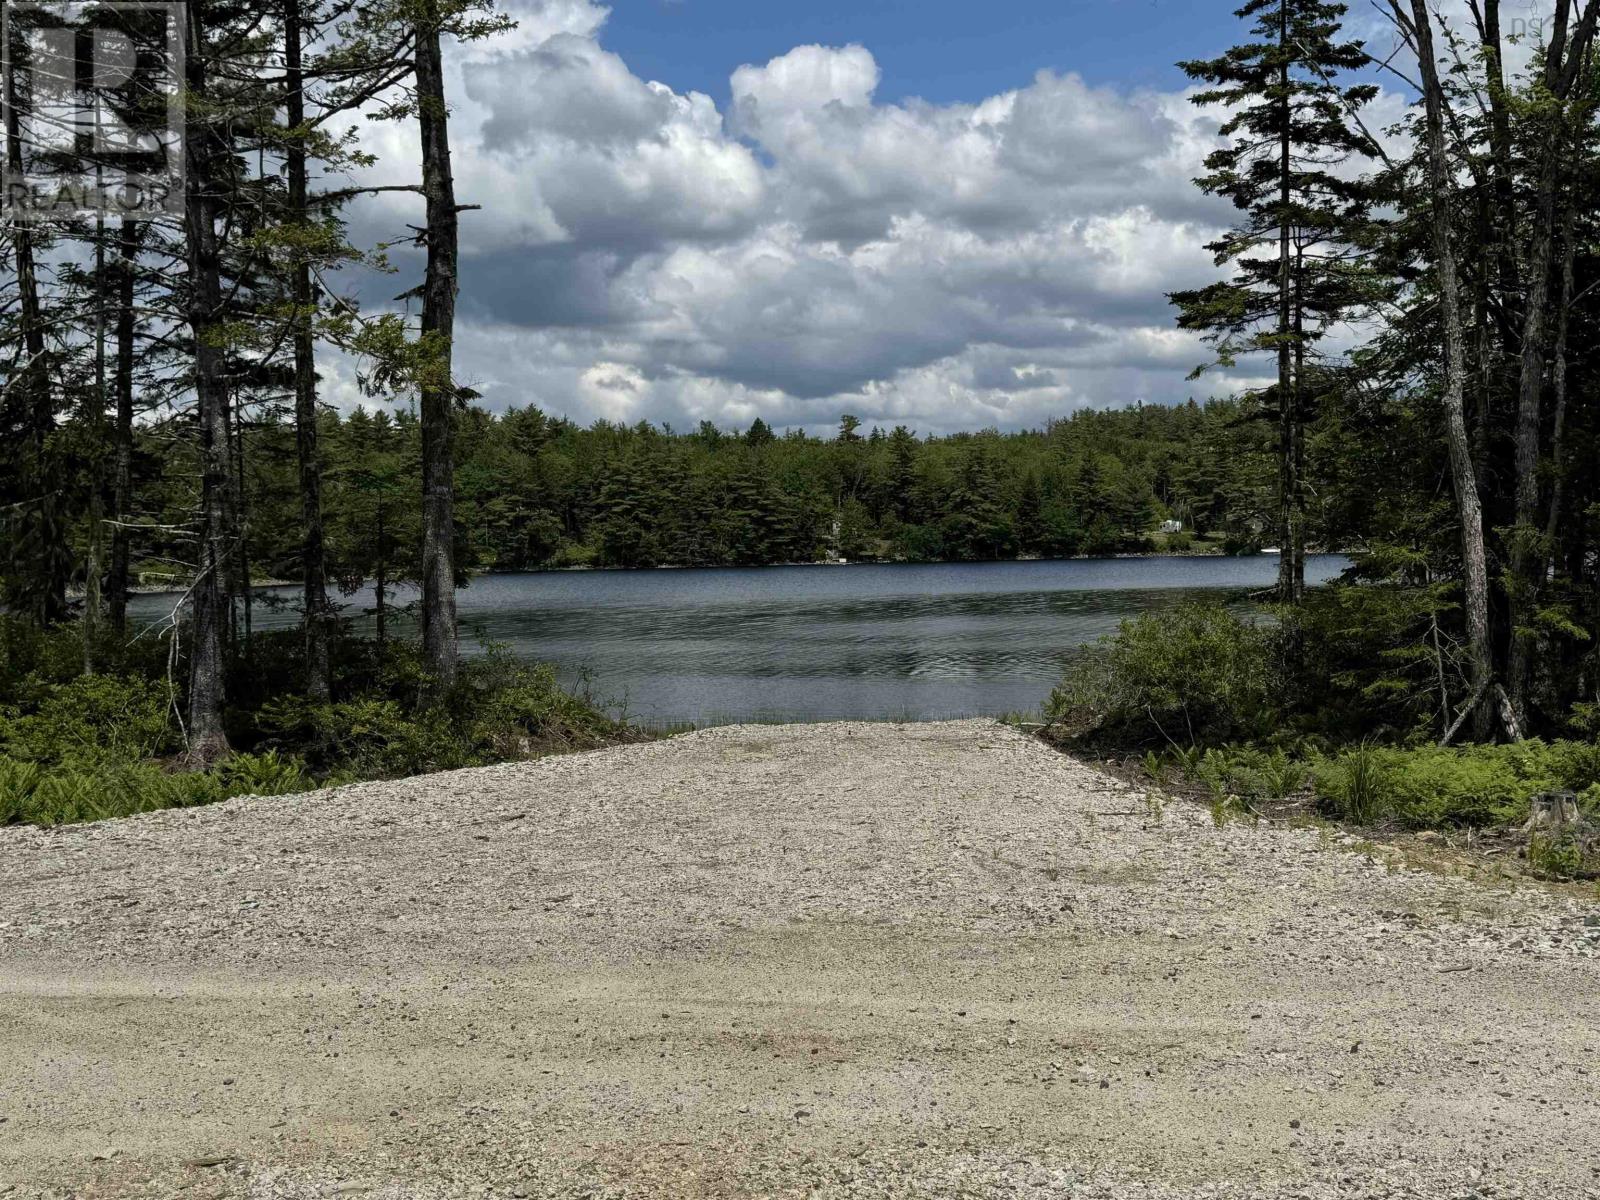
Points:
[(1554, 814)]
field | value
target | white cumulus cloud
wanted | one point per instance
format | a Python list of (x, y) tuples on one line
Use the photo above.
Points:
[(640, 254)]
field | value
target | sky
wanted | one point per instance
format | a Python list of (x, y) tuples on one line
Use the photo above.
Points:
[(940, 214), (939, 50)]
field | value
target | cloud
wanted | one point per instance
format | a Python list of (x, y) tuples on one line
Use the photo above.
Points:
[(642, 255)]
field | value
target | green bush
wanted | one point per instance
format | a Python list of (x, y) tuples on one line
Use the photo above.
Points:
[(1367, 666), (501, 709), (1197, 674), (1353, 787), (67, 794), (512, 710), (1469, 785), (369, 736), (77, 747), (1557, 858), (93, 718), (265, 774)]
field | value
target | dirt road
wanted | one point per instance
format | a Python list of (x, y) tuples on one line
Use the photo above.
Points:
[(847, 960)]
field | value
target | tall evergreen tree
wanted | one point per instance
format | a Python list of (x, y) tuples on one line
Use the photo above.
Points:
[(1292, 131)]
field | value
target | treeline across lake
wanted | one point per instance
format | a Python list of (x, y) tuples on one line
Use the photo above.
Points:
[(535, 492)]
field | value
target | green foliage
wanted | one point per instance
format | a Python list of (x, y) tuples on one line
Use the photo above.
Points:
[(535, 491), (97, 791), (1284, 776), (1368, 658), (1558, 858), (519, 709), (1467, 786), (1353, 787), (93, 718), (1373, 652), (1156, 768), (368, 736), (89, 747), (1199, 674), (500, 710), (266, 774), (1280, 86)]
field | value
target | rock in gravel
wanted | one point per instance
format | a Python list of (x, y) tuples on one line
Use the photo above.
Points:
[(834, 961)]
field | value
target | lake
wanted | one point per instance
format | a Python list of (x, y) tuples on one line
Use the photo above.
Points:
[(818, 643)]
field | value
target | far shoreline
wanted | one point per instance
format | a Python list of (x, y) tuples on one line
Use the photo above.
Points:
[(272, 584)]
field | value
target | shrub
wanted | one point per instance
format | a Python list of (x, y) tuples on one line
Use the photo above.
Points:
[(1353, 787), (94, 718), (83, 748), (1367, 666), (369, 736), (266, 774), (1469, 785), (1556, 858), (96, 791), (512, 710), (1198, 673)]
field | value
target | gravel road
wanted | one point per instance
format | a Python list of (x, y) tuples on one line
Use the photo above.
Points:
[(833, 960)]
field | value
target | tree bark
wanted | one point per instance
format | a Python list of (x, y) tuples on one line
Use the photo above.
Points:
[(117, 581), (1525, 554), (1288, 417), (93, 589), (239, 516), (43, 546), (1527, 557), (313, 554), (1297, 544), (1469, 505), (208, 602), (1500, 169), (438, 393), (1558, 389)]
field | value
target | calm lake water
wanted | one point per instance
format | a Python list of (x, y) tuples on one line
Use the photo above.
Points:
[(820, 643)]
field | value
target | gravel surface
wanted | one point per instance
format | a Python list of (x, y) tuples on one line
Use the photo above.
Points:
[(834, 960)]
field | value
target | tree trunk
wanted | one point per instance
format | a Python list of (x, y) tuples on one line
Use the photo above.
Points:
[(1525, 554), (207, 682), (1558, 389), (241, 535), (313, 554), (381, 610), (1288, 485), (1474, 560), (92, 581), (1297, 544), (1564, 59), (43, 547), (117, 582), (1500, 168), (438, 329)]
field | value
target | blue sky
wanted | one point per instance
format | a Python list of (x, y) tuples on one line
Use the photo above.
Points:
[(938, 50)]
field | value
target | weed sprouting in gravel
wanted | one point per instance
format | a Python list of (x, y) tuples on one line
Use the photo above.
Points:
[(1560, 857), (1156, 768)]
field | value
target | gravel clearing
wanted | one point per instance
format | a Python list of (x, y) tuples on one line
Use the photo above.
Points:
[(824, 961)]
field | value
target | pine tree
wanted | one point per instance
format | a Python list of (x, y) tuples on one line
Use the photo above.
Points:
[(421, 26), (1291, 131)]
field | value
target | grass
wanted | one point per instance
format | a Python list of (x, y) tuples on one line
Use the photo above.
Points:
[(1353, 787)]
